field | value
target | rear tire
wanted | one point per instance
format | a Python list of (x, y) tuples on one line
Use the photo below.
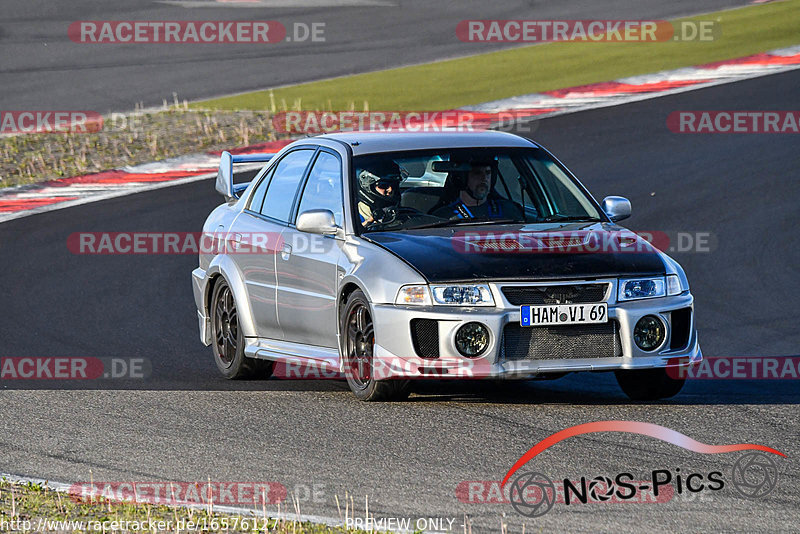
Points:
[(227, 339), (358, 334), (648, 384)]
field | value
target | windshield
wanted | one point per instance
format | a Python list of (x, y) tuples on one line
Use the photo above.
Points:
[(451, 187)]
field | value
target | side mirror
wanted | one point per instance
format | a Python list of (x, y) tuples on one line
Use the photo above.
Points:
[(317, 222), (617, 208)]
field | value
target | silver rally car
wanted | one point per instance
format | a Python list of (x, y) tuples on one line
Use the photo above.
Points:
[(388, 257)]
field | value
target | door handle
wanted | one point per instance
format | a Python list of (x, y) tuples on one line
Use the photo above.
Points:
[(286, 251)]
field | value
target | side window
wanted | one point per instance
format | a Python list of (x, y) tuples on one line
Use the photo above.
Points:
[(323, 189), (283, 186), (258, 195)]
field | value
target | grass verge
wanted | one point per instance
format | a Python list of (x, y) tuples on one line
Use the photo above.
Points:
[(472, 80), (128, 139), (36, 508)]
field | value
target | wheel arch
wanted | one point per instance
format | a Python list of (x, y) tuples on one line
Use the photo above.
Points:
[(347, 288), (222, 268)]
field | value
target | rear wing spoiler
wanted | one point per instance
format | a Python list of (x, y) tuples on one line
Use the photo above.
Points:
[(225, 185)]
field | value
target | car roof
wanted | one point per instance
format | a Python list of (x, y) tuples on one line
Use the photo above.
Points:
[(365, 142)]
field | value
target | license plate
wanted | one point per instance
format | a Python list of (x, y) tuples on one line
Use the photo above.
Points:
[(558, 314)]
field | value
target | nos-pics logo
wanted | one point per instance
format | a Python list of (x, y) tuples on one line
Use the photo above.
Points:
[(533, 494)]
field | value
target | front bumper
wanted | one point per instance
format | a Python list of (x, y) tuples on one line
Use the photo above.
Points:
[(396, 355)]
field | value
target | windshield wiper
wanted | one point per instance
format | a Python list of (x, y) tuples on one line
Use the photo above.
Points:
[(560, 217), (465, 222)]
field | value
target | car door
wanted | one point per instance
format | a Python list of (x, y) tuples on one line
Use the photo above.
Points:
[(307, 265), (258, 229)]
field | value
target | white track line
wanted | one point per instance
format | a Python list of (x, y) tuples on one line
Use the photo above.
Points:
[(4, 217), (135, 188), (638, 97)]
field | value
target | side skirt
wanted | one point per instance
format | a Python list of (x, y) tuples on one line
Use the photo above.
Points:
[(289, 352)]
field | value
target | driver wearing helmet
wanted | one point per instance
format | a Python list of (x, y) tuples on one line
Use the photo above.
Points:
[(379, 192)]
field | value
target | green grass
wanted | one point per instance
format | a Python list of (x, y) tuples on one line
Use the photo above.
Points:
[(481, 78), (26, 507)]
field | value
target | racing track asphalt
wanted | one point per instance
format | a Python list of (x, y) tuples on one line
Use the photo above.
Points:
[(186, 423), (41, 68)]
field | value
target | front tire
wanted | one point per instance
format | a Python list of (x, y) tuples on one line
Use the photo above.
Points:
[(228, 340), (358, 333), (648, 384)]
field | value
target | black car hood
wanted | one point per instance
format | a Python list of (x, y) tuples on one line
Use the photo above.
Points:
[(450, 254)]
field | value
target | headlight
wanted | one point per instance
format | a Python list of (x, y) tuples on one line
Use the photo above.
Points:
[(640, 288), (413, 295), (458, 295), (673, 285)]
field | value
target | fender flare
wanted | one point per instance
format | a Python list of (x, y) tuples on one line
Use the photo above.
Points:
[(347, 280), (225, 267)]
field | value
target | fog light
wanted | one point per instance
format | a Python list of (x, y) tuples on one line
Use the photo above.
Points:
[(648, 333), (472, 339)]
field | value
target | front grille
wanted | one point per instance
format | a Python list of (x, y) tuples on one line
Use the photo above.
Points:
[(555, 294), (681, 320), (425, 337), (561, 342)]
